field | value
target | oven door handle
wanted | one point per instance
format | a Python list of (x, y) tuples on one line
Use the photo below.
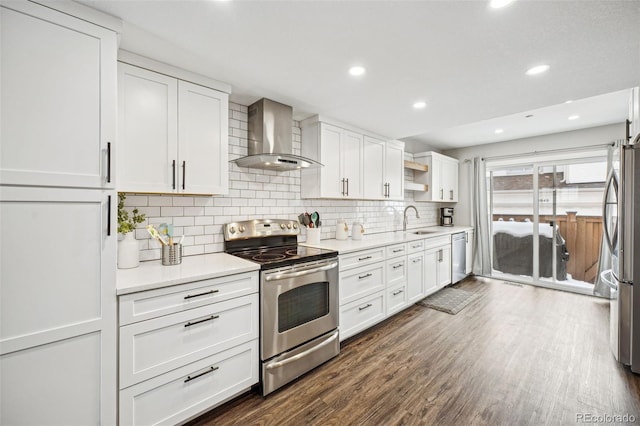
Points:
[(295, 358), (301, 272)]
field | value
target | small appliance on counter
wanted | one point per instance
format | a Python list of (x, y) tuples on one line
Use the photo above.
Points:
[(357, 230), (342, 230), (446, 216)]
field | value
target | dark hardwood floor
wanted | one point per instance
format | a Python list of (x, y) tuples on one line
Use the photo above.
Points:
[(517, 355)]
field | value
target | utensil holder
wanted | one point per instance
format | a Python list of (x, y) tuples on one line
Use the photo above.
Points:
[(313, 235), (172, 255)]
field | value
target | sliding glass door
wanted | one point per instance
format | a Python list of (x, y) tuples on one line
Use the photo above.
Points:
[(546, 221)]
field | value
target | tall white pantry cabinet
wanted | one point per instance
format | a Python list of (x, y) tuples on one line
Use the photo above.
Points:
[(57, 217)]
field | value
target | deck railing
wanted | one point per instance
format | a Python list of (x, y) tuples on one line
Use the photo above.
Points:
[(582, 235)]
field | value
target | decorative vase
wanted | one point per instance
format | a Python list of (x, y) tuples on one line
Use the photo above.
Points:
[(128, 252)]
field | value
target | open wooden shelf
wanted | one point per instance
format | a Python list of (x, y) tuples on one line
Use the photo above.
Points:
[(415, 166), (411, 186)]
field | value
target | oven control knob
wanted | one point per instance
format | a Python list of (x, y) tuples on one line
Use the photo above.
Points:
[(242, 228), (282, 226), (295, 226), (288, 226), (232, 230)]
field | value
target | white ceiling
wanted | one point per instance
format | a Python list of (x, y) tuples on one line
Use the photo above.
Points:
[(466, 60)]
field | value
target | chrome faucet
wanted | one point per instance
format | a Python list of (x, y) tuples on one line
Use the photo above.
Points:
[(404, 223)]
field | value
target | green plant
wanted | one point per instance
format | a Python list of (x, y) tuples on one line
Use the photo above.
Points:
[(127, 224)]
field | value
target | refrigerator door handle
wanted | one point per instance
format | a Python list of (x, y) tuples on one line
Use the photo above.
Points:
[(610, 239)]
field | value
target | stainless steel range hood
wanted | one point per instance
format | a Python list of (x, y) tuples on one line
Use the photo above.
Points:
[(270, 140)]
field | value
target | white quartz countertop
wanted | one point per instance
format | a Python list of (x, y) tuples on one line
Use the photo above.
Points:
[(387, 238), (151, 275)]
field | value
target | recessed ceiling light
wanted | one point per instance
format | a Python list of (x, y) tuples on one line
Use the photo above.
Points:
[(574, 117), (357, 70), (420, 105), (538, 69), (568, 102), (497, 4), (498, 131)]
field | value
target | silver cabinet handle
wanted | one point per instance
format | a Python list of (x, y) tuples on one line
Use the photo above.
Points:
[(398, 250), (364, 258), (417, 259), (109, 216), (347, 187), (210, 370), (173, 173), (301, 272), (184, 173), (441, 193), (399, 265), (212, 317), (416, 246), (451, 195), (440, 255), (108, 162), (362, 277), (191, 296), (294, 358), (368, 305), (343, 191), (395, 293)]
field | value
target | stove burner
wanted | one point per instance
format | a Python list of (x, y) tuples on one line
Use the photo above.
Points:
[(292, 252), (268, 257)]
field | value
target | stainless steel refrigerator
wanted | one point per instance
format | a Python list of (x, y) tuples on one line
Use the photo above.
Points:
[(622, 234)]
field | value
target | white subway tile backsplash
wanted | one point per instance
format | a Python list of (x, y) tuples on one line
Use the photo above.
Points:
[(255, 193)]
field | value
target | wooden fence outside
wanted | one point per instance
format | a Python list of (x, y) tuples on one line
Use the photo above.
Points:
[(582, 235)]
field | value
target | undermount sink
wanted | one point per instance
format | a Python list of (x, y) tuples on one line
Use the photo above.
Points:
[(424, 232)]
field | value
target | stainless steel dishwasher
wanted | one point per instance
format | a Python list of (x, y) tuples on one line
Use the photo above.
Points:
[(458, 256)]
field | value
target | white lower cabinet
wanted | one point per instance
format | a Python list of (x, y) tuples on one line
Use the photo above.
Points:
[(361, 314), (181, 394), (188, 348), (415, 277), (437, 263), (379, 282), (360, 282)]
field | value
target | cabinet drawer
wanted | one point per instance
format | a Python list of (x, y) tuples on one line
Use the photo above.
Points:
[(360, 282), (150, 348), (361, 314), (365, 257), (396, 298), (192, 389), (437, 241), (396, 271), (415, 246), (396, 250), (155, 303)]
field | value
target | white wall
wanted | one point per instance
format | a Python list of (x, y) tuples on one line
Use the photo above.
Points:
[(574, 139), (255, 194)]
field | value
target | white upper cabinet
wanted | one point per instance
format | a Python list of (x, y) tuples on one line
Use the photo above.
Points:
[(441, 178), (341, 153), (173, 135), (57, 99), (394, 170), (383, 169), (203, 125), (373, 170), (356, 166), (148, 134)]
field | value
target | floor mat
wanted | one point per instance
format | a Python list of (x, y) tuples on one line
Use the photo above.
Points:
[(450, 300)]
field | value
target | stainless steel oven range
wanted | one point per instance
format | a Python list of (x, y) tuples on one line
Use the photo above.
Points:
[(298, 298)]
